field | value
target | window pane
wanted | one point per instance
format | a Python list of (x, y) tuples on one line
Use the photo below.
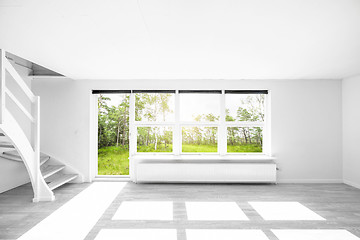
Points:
[(244, 139), (154, 107), (154, 139), (245, 107), (113, 134), (200, 107), (199, 139)]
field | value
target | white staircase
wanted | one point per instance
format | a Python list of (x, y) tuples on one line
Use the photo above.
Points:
[(51, 172), (16, 145)]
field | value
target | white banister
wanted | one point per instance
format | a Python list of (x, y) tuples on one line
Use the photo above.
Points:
[(36, 145), (19, 104), (29, 150), (2, 85), (19, 80)]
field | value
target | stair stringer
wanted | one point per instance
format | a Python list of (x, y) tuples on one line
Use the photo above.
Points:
[(14, 132)]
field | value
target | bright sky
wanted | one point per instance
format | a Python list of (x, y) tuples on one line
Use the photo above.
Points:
[(115, 99), (192, 105)]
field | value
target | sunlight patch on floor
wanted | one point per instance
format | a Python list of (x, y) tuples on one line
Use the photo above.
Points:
[(318, 234), (225, 234), (144, 210), (137, 234), (78, 216), (284, 211), (214, 211)]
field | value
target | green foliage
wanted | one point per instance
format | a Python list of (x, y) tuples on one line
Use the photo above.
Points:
[(113, 161), (154, 138), (251, 109), (113, 122), (199, 135), (151, 148), (152, 106), (243, 136)]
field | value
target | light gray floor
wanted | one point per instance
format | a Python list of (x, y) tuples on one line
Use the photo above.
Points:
[(339, 204)]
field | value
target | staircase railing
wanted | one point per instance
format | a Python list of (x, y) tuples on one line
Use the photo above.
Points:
[(29, 149)]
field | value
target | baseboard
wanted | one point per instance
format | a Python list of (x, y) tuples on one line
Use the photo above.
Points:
[(101, 179), (352, 184), (310, 181)]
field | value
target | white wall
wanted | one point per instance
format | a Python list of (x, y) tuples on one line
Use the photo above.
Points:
[(351, 130), (14, 174), (306, 121)]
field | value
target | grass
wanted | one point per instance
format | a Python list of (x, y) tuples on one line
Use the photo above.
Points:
[(115, 160), (151, 148), (199, 148), (244, 148)]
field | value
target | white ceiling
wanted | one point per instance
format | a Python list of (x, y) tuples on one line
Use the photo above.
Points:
[(181, 39)]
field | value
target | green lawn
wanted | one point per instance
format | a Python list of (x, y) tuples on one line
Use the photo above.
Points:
[(198, 148), (244, 148), (113, 161)]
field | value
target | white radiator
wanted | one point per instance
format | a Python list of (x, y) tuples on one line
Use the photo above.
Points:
[(206, 172)]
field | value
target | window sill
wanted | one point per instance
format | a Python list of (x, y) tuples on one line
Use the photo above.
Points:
[(203, 157)]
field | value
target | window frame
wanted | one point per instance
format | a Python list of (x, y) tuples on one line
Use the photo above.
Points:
[(221, 125)]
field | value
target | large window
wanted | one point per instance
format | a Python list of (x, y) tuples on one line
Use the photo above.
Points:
[(199, 121), (154, 120), (245, 117), (181, 122)]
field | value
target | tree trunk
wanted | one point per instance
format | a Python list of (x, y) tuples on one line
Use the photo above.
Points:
[(249, 136), (99, 137), (124, 129), (147, 137), (118, 134), (156, 140), (246, 139)]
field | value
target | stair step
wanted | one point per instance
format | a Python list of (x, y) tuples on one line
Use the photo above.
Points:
[(6, 145), (10, 157), (61, 180), (51, 170), (14, 155)]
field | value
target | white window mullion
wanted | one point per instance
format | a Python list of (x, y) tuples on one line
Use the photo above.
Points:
[(133, 130), (266, 127), (132, 134), (177, 128), (222, 128)]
